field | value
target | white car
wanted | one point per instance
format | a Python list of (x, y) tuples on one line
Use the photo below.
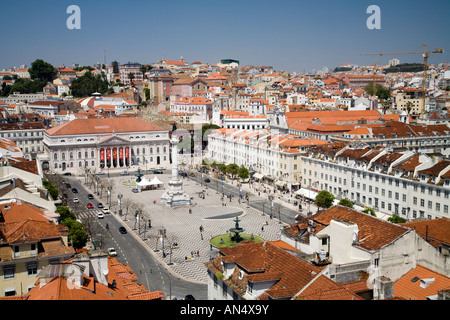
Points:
[(100, 215), (76, 200), (112, 252), (106, 211)]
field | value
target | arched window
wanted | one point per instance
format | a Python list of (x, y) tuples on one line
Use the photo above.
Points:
[(71, 155), (92, 154), (55, 156), (63, 156), (79, 155), (151, 150), (85, 154)]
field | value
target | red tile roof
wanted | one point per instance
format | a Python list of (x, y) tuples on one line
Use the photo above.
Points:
[(373, 233), (413, 285), (102, 125)]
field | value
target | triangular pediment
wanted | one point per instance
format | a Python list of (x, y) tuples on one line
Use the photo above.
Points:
[(112, 140)]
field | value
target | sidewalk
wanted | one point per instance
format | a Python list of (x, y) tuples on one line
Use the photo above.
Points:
[(183, 239)]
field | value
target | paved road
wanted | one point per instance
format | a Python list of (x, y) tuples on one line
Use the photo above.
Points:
[(152, 272)]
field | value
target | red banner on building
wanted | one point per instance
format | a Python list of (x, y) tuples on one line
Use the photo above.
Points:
[(114, 153), (120, 153), (127, 152), (108, 154), (102, 154)]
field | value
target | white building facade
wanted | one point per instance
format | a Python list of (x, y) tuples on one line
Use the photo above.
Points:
[(106, 143)]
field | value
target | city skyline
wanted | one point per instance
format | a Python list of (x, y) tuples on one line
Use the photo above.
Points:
[(288, 35)]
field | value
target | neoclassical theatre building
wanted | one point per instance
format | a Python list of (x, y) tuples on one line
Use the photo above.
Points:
[(99, 144)]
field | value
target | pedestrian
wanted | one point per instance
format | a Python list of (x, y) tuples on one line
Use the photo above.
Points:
[(210, 247), (198, 253), (262, 228), (201, 236), (190, 210)]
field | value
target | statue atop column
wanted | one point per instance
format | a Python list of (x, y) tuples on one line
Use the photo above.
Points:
[(175, 195)]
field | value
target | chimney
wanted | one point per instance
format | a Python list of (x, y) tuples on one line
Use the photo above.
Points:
[(383, 288)]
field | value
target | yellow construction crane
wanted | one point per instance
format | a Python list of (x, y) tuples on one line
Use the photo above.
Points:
[(425, 55)]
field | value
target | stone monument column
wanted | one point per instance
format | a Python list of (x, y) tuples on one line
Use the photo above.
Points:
[(175, 195)]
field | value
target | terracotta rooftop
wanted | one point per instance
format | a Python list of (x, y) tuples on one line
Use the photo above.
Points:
[(102, 125), (420, 283), (373, 232), (265, 261), (435, 229)]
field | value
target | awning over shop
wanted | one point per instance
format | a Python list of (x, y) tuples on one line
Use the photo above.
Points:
[(258, 176), (308, 194)]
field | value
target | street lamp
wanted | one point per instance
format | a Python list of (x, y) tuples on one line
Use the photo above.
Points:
[(120, 196)]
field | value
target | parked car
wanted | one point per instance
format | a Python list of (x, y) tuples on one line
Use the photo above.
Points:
[(74, 190), (183, 174), (90, 206), (64, 196), (100, 215), (100, 205), (112, 252), (76, 200), (106, 210), (100, 173), (207, 180), (135, 190), (67, 174), (157, 171), (122, 230), (124, 173), (90, 196)]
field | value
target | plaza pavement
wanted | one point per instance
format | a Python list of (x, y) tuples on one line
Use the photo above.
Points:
[(183, 228)]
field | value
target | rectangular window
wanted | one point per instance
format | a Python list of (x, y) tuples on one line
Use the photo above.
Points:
[(32, 268), (9, 272)]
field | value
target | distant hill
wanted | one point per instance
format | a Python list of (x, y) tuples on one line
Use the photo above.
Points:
[(405, 67)]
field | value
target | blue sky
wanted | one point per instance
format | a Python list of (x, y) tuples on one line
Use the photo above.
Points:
[(291, 35)]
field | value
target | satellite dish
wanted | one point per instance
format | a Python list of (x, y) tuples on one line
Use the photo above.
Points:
[(355, 236)]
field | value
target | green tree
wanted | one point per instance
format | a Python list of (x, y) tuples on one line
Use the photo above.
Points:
[(42, 70), (222, 167), (87, 84), (206, 130), (65, 213), (52, 190), (232, 169), (243, 173), (76, 233), (377, 90), (396, 219), (324, 199), (369, 211), (346, 202), (115, 66), (131, 76)]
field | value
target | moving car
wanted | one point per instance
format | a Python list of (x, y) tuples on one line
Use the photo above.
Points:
[(106, 210), (135, 190), (112, 252), (100, 173), (90, 206), (207, 180), (100, 215), (157, 171), (67, 174), (68, 186), (90, 196), (99, 205), (75, 190), (76, 200), (124, 173), (122, 230)]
